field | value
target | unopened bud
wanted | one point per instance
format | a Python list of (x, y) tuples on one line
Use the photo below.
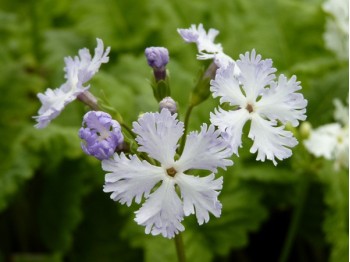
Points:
[(157, 58), (305, 129), (169, 104)]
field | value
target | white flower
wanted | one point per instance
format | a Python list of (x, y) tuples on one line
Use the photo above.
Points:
[(331, 141), (205, 43), (78, 71), (336, 35), (131, 178), (255, 96)]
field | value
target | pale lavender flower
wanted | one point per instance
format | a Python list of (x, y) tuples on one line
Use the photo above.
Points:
[(101, 134), (207, 49), (78, 71), (131, 178), (255, 95)]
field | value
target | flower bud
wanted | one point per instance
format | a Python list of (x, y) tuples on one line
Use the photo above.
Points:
[(169, 104), (101, 134), (157, 58)]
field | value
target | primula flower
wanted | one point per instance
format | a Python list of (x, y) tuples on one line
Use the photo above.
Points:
[(331, 141), (336, 35), (255, 96), (205, 43), (131, 178), (101, 134), (78, 70)]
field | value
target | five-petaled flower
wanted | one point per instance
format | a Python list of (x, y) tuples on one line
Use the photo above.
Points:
[(131, 178), (255, 96), (79, 70)]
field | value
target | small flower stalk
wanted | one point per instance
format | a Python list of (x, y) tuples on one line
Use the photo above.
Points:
[(101, 135)]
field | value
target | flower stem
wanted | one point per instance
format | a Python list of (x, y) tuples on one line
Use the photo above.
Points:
[(295, 221), (180, 251), (187, 118)]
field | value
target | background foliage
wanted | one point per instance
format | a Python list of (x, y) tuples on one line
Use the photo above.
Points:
[(52, 207)]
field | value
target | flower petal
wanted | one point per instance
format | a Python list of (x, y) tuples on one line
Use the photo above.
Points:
[(280, 102), (162, 213), (232, 123), (200, 195), (205, 150), (255, 74), (226, 86), (270, 140), (158, 134), (130, 178)]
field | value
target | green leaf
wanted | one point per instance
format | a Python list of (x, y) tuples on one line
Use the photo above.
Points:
[(336, 220)]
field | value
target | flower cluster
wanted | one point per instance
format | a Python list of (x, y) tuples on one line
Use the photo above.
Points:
[(155, 166)]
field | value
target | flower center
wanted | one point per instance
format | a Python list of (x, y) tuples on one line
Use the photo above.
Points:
[(249, 108), (171, 171)]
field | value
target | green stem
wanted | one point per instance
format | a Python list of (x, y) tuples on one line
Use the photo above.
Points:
[(180, 250), (295, 221), (187, 119)]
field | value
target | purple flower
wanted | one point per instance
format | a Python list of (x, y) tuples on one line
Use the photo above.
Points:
[(101, 134), (157, 57)]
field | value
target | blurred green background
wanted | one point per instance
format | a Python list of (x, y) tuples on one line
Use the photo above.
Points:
[(52, 207)]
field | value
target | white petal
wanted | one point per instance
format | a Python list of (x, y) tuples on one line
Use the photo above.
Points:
[(205, 150), (255, 74), (88, 67), (158, 134), (270, 140), (341, 113), (232, 123), (200, 195), (53, 102), (205, 41), (323, 140), (226, 86), (280, 102), (130, 178), (162, 213)]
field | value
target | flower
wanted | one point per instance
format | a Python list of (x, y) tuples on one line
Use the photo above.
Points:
[(131, 178), (331, 141), (205, 43), (336, 35), (255, 96), (78, 71), (101, 134)]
